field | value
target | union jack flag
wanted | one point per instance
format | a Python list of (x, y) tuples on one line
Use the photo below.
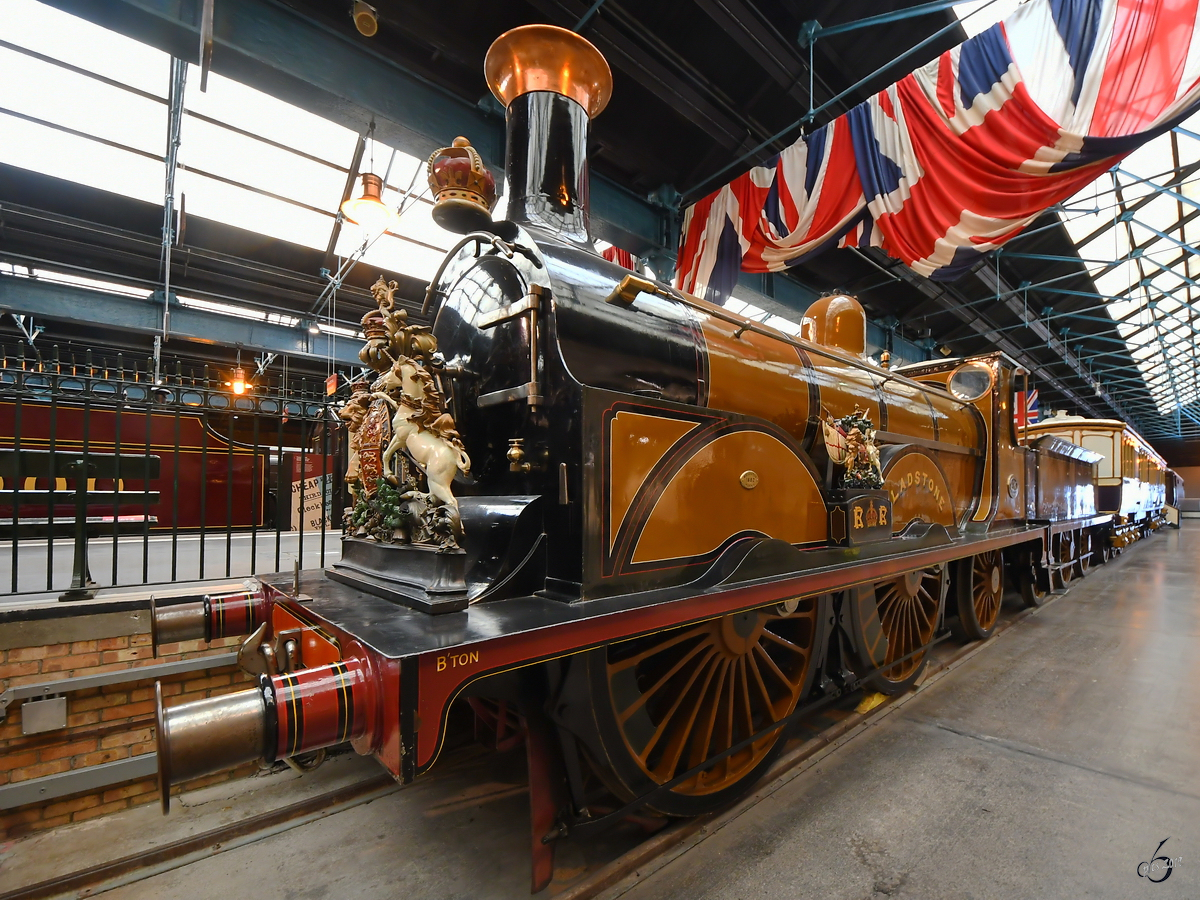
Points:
[(620, 257), (1025, 411), (961, 155)]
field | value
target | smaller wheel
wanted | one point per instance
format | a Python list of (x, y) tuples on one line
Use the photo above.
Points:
[(1083, 556), (1032, 579), (978, 589), (1063, 558)]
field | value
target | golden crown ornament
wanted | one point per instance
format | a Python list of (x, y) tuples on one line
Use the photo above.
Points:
[(464, 191)]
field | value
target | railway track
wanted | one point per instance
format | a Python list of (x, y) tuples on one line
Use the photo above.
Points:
[(622, 858)]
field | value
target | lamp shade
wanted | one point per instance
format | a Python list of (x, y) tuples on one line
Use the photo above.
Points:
[(369, 211)]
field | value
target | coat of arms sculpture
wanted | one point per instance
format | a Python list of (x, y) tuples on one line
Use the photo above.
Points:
[(850, 442), (404, 447)]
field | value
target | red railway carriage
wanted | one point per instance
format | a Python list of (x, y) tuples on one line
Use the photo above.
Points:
[(662, 530), (234, 476)]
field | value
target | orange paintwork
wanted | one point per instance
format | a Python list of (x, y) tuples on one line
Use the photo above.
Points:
[(836, 321), (756, 375), (636, 442), (918, 491), (704, 504)]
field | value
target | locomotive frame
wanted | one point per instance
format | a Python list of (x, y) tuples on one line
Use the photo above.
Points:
[(662, 560)]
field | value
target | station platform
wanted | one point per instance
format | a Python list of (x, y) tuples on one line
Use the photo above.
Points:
[(1048, 762)]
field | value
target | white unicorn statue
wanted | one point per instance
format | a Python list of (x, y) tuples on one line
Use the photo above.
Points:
[(421, 426)]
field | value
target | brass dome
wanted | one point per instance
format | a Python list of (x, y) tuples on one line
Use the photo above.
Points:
[(548, 58)]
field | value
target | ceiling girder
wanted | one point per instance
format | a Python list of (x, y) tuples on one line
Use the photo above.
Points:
[(997, 283), (759, 39), (653, 74), (104, 310)]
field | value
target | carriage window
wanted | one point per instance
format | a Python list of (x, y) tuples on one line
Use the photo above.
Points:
[(971, 381), (1102, 444)]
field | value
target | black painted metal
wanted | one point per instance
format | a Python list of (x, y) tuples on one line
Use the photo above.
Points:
[(546, 167)]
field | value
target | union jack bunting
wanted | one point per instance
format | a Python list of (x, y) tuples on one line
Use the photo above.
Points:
[(961, 155), (620, 257)]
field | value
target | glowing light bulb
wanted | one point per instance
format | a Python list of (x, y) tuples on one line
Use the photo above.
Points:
[(369, 211), (238, 383)]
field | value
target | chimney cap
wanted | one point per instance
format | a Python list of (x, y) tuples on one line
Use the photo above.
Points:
[(548, 58)]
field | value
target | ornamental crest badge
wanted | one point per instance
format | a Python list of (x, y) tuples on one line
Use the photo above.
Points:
[(850, 442), (404, 447)]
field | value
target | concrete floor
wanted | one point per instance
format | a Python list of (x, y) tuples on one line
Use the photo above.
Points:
[(1047, 765)]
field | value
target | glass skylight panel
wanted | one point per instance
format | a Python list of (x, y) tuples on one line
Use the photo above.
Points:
[(979, 15), (1165, 281), (787, 326), (1118, 279), (399, 255), (1144, 352), (110, 287), (42, 149), (1160, 214), (241, 312), (300, 157), (245, 160), (417, 223), (1162, 341), (60, 35), (259, 113), (241, 208), (56, 95)]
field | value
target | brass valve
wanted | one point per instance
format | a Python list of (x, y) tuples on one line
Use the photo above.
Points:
[(516, 456), (517, 461)]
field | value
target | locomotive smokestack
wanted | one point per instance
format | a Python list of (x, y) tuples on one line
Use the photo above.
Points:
[(552, 82)]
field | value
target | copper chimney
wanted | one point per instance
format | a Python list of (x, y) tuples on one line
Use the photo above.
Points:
[(552, 82)]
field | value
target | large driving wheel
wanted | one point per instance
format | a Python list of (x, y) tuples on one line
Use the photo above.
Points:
[(978, 590), (665, 703), (894, 620)]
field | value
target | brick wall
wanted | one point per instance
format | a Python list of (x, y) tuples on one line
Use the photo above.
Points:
[(103, 724)]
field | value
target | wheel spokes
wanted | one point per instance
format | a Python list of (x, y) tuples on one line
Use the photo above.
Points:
[(700, 691), (658, 685)]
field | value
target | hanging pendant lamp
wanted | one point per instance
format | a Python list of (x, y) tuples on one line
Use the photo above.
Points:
[(369, 211)]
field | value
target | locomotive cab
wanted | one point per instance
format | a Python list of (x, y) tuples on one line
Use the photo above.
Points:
[(988, 383)]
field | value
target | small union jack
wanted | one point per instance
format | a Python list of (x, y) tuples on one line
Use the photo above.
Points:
[(1026, 410)]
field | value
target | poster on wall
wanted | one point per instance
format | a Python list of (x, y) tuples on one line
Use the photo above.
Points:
[(312, 492)]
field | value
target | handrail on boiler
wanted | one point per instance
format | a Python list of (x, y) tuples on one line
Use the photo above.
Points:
[(632, 285)]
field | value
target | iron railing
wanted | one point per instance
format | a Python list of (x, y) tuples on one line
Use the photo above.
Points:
[(248, 482)]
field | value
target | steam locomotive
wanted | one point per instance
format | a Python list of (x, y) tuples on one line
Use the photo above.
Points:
[(675, 530)]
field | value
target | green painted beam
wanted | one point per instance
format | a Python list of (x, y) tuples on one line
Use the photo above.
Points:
[(86, 306)]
